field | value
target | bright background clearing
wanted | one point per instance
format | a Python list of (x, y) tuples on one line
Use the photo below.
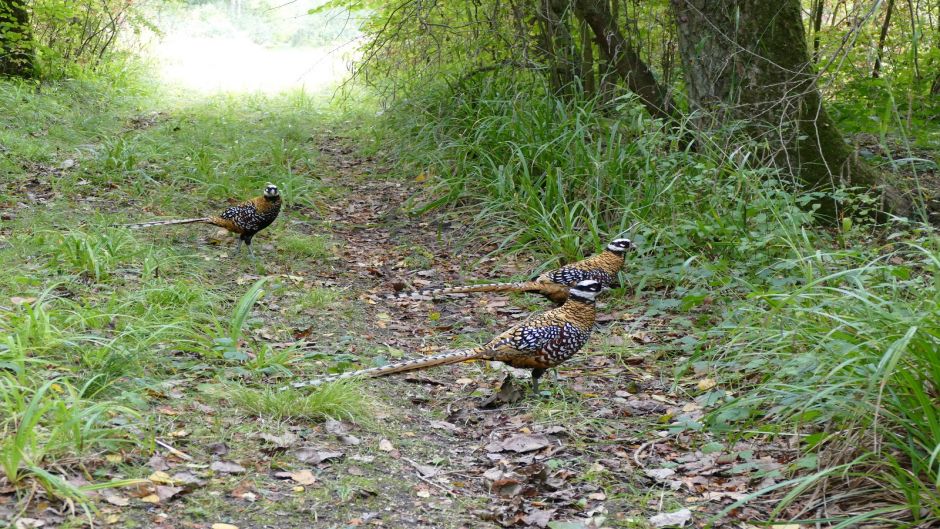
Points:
[(253, 46)]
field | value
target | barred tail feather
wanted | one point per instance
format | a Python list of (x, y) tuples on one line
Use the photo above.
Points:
[(452, 357), (519, 286), (165, 223)]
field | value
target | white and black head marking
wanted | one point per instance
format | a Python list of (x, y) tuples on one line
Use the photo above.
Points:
[(620, 246), (586, 290), (270, 191)]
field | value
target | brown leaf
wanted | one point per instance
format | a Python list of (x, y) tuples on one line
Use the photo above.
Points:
[(507, 487), (525, 443), (335, 427), (114, 499), (226, 467), (303, 477), (160, 477), (165, 493), (17, 300), (187, 479), (314, 456), (28, 523), (151, 498), (219, 449), (158, 462), (539, 518)]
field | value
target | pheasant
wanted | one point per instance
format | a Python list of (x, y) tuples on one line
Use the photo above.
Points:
[(554, 284), (245, 219), (541, 342)]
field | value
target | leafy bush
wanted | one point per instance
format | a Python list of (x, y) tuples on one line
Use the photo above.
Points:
[(849, 362), (73, 37)]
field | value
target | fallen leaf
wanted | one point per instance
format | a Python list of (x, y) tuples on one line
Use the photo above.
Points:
[(226, 467), (660, 473), (219, 449), (347, 439), (186, 478), (151, 498), (160, 477), (538, 517), (335, 427), (281, 441), (314, 456), (114, 499), (224, 526), (17, 300), (28, 523), (423, 493), (426, 470), (507, 487), (678, 518), (706, 384), (158, 462), (386, 446), (165, 493), (303, 477), (525, 443)]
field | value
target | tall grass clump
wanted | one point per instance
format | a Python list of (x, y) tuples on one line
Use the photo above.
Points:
[(564, 176), (849, 362)]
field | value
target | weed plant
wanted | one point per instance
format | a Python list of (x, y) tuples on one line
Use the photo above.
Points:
[(829, 335)]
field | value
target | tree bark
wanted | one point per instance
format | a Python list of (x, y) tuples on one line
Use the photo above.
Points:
[(747, 61), (16, 40), (557, 44), (817, 13), (587, 61), (881, 39), (623, 57)]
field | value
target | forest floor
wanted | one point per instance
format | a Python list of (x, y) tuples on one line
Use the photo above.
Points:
[(444, 448)]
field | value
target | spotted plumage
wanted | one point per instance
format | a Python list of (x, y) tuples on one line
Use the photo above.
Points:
[(245, 219), (539, 343), (554, 284)]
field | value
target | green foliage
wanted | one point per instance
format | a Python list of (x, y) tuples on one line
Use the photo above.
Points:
[(77, 37), (342, 399), (821, 333), (852, 349)]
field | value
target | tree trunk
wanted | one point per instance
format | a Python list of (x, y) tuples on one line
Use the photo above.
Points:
[(881, 39), (587, 61), (747, 60), (624, 59), (16, 40), (817, 26), (557, 44)]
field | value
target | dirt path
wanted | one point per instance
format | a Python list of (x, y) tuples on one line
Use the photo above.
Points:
[(611, 444), (596, 452)]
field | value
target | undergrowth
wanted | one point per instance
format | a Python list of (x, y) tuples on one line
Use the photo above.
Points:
[(827, 334), (96, 319)]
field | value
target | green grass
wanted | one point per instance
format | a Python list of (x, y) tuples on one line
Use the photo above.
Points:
[(830, 335), (308, 247), (343, 399), (96, 320)]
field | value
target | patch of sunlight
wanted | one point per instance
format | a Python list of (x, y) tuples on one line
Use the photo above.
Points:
[(254, 46), (232, 64)]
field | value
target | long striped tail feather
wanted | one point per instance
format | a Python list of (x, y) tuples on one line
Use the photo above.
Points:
[(452, 357), (152, 223), (518, 286)]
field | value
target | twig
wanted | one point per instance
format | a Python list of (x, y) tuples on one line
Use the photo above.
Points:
[(636, 453), (174, 451)]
